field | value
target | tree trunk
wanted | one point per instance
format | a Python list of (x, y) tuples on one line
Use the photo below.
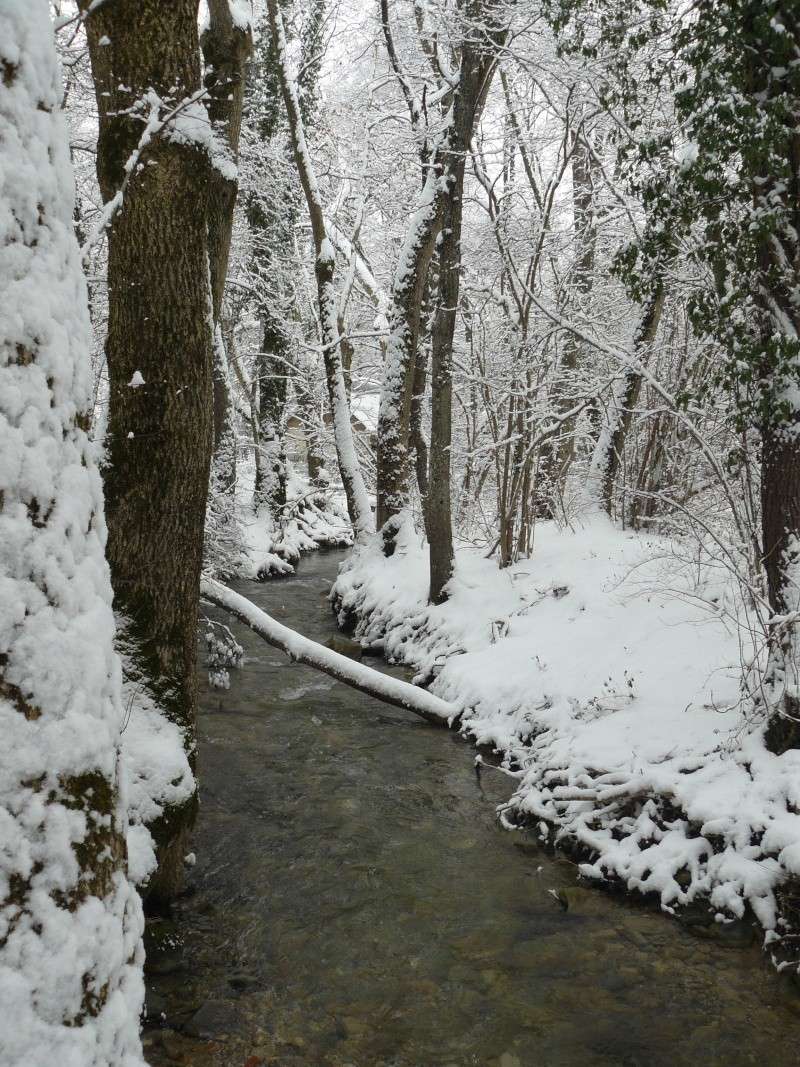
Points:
[(397, 392), (611, 445), (479, 52), (556, 455), (159, 355), (358, 505), (780, 522), (70, 921), (226, 47), (273, 371), (778, 284)]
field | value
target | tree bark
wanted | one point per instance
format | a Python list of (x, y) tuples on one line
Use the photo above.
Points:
[(397, 392), (612, 444), (160, 433), (226, 47), (479, 52), (70, 921), (778, 283), (324, 269), (273, 372), (556, 456)]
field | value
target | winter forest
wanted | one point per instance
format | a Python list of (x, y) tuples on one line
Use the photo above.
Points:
[(399, 533)]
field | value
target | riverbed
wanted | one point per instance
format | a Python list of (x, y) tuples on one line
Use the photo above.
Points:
[(356, 903)]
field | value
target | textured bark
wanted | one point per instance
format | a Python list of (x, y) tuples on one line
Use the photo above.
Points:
[(271, 212), (780, 506), (70, 922), (394, 421), (479, 52), (324, 269), (614, 444), (160, 434), (555, 457), (776, 295), (398, 420), (416, 435), (226, 48), (270, 486)]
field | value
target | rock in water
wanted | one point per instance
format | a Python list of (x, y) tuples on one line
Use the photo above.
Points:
[(344, 646)]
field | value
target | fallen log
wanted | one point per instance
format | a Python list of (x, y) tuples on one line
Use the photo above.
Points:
[(390, 690)]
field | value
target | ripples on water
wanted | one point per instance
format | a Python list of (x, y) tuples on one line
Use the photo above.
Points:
[(356, 904)]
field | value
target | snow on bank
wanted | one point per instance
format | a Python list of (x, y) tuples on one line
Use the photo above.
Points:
[(158, 775), (310, 520), (607, 671)]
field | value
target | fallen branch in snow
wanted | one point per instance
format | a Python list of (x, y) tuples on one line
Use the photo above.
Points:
[(381, 686)]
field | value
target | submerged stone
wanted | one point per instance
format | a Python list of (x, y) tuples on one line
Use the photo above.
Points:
[(344, 646)]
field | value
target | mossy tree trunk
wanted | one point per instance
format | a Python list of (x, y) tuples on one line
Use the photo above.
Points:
[(70, 921), (159, 323)]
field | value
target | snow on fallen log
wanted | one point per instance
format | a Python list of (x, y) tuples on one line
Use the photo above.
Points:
[(381, 686)]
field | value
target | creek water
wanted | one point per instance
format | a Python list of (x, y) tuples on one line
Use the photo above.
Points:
[(355, 903)]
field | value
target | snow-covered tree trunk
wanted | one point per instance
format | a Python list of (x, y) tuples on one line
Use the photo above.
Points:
[(358, 504), (555, 456), (405, 309), (405, 371), (273, 376), (159, 355), (611, 443), (271, 232), (302, 650), (70, 922), (483, 37), (226, 42)]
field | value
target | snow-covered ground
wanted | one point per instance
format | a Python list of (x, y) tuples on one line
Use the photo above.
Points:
[(606, 670), (310, 520)]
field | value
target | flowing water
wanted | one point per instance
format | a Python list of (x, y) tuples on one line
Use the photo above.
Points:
[(355, 903)]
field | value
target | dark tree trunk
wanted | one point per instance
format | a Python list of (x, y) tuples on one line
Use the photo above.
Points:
[(479, 52), (226, 48), (778, 282), (159, 434), (780, 509), (309, 410), (556, 455), (614, 445), (273, 370)]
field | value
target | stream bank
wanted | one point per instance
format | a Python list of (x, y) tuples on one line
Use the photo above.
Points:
[(355, 903)]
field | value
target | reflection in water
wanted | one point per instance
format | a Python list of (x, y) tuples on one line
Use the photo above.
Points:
[(357, 904)]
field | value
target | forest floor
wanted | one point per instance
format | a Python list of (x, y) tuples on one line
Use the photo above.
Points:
[(606, 671)]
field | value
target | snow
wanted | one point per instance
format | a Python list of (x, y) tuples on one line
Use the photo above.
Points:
[(157, 771), (365, 408), (241, 14), (312, 519), (188, 123), (605, 672), (61, 940), (303, 650)]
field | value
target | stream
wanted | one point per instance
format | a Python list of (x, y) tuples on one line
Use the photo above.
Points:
[(356, 903)]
